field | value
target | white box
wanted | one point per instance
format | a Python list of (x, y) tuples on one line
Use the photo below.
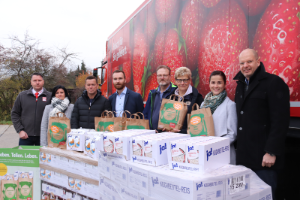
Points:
[(210, 153), (93, 144), (237, 181), (128, 194), (259, 190), (138, 176), (119, 170), (104, 165), (76, 139), (119, 142), (177, 185), (108, 189), (152, 149)]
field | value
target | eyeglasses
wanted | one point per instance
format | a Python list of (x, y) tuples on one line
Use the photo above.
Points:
[(160, 76), (182, 80)]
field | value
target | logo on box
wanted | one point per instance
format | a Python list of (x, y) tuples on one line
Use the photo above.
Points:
[(209, 153), (199, 185), (154, 181), (162, 148)]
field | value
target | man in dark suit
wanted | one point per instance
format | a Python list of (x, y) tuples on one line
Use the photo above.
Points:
[(124, 99), (263, 110)]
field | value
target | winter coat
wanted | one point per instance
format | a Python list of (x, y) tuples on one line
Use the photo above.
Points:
[(83, 113), (225, 124), (263, 112), (27, 113)]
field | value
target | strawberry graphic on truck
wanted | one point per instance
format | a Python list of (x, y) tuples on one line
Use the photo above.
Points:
[(205, 35)]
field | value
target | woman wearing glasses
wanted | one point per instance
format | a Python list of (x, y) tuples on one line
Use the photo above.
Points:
[(190, 95), (222, 109)]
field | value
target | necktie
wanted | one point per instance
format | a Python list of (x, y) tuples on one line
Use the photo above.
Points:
[(36, 96)]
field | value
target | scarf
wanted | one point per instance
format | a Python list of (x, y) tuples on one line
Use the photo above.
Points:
[(213, 102), (59, 106)]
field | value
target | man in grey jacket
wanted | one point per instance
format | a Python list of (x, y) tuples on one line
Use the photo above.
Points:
[(28, 109)]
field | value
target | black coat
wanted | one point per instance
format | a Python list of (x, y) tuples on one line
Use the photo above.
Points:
[(190, 99), (83, 114), (133, 102), (263, 118)]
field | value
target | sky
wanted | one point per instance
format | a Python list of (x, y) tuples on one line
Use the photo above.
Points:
[(81, 26)]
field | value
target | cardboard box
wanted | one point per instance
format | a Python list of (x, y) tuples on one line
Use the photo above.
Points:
[(199, 154), (71, 161), (104, 165), (259, 190), (152, 149), (120, 142), (93, 144), (76, 139), (108, 189), (119, 170), (138, 176), (177, 185)]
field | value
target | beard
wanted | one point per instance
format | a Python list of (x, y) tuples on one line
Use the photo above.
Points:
[(119, 86), (163, 83)]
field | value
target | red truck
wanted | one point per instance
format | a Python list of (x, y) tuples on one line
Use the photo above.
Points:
[(208, 35)]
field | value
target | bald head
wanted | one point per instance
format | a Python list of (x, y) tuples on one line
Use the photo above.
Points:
[(252, 51), (249, 62)]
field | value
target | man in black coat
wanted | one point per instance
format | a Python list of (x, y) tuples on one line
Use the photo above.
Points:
[(90, 105), (124, 98), (263, 110)]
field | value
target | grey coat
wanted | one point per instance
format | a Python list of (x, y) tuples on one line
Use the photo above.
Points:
[(27, 112), (45, 122)]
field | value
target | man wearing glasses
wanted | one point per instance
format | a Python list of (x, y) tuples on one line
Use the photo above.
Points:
[(164, 90)]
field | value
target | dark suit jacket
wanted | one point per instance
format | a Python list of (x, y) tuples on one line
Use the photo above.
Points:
[(263, 113), (133, 102)]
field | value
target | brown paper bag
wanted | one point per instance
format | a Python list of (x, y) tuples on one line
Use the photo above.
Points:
[(105, 122), (200, 122), (9, 187), (172, 114), (120, 122), (137, 122), (57, 131), (25, 190)]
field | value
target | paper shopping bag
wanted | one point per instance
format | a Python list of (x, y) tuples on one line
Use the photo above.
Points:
[(200, 122), (120, 122), (9, 187), (172, 113), (58, 128), (137, 122), (105, 122)]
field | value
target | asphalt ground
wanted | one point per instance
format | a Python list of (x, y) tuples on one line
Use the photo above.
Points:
[(8, 136)]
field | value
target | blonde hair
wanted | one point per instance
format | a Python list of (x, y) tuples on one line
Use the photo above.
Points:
[(182, 71)]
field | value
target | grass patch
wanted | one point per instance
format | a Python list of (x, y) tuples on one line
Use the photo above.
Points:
[(6, 123)]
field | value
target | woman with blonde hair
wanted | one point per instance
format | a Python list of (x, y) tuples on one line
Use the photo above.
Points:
[(222, 109), (189, 94)]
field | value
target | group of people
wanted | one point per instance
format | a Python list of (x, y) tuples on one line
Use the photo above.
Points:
[(256, 122)]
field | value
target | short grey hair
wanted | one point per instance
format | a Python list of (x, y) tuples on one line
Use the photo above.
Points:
[(182, 71), (163, 67)]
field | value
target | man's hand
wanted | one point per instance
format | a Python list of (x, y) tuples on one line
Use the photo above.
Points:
[(268, 160), (175, 131), (23, 135)]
